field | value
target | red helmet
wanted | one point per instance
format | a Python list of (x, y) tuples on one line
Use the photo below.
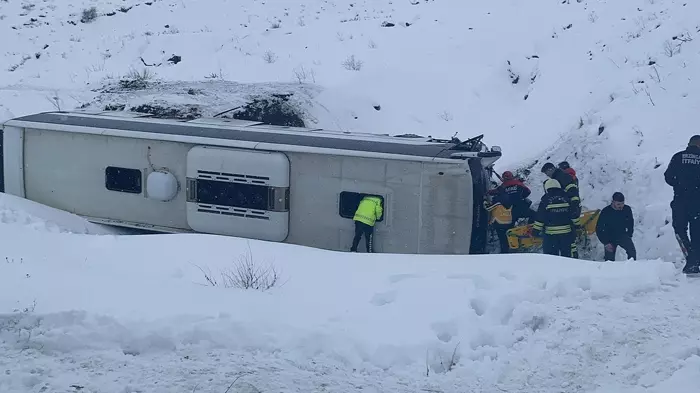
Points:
[(507, 175)]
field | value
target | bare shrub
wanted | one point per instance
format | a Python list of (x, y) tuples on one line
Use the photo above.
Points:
[(592, 17), (302, 74), (352, 64), (446, 116), (55, 100), (246, 273), (137, 80), (655, 76), (23, 325), (670, 49), (270, 57), (440, 364), (651, 99), (452, 362), (371, 44), (89, 15), (216, 75)]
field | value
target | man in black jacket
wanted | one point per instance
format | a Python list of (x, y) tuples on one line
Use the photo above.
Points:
[(683, 174), (615, 228), (568, 186), (555, 217)]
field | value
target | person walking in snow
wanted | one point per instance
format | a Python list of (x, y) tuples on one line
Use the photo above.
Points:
[(368, 212), (518, 194), (564, 166), (615, 227), (683, 174), (555, 221), (500, 217), (568, 186)]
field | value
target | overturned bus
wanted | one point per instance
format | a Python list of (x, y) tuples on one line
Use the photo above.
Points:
[(252, 180)]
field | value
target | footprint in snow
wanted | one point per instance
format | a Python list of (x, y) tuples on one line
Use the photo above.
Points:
[(445, 331), (479, 306), (384, 298)]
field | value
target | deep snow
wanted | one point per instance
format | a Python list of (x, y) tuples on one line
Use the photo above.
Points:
[(129, 314), (611, 87)]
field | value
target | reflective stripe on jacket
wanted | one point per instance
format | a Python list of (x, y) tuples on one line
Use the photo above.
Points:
[(570, 186), (555, 215), (499, 213), (369, 210)]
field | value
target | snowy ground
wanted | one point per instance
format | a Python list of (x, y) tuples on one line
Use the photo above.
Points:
[(610, 86), (134, 314)]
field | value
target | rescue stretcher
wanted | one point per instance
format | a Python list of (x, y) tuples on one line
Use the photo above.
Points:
[(520, 238)]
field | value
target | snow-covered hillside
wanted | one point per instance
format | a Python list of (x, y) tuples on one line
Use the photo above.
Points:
[(610, 86)]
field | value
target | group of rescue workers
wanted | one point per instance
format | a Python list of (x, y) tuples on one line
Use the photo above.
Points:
[(557, 219), (558, 216)]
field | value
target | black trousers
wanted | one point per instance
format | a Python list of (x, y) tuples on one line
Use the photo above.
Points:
[(363, 229), (563, 245), (501, 232), (684, 214), (626, 243)]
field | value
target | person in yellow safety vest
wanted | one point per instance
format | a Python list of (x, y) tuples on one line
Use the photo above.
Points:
[(501, 218), (366, 215)]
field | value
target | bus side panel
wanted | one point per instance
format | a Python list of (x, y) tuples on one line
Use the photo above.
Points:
[(104, 177), (13, 161), (447, 208)]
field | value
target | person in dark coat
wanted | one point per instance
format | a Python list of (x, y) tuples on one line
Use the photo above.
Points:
[(615, 228), (568, 186), (555, 221), (564, 166), (683, 174), (518, 194)]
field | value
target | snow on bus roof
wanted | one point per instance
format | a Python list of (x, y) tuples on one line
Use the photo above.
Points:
[(242, 130)]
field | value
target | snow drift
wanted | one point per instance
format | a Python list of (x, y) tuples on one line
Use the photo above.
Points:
[(141, 306)]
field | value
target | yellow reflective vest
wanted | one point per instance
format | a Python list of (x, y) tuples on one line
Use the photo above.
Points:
[(369, 210), (499, 213)]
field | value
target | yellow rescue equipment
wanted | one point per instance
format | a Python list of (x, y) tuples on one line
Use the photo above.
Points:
[(520, 238)]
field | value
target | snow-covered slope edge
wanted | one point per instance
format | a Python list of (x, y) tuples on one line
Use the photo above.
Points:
[(24, 213), (625, 143)]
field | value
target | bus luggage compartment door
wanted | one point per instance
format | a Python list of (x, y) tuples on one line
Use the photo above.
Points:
[(236, 192)]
